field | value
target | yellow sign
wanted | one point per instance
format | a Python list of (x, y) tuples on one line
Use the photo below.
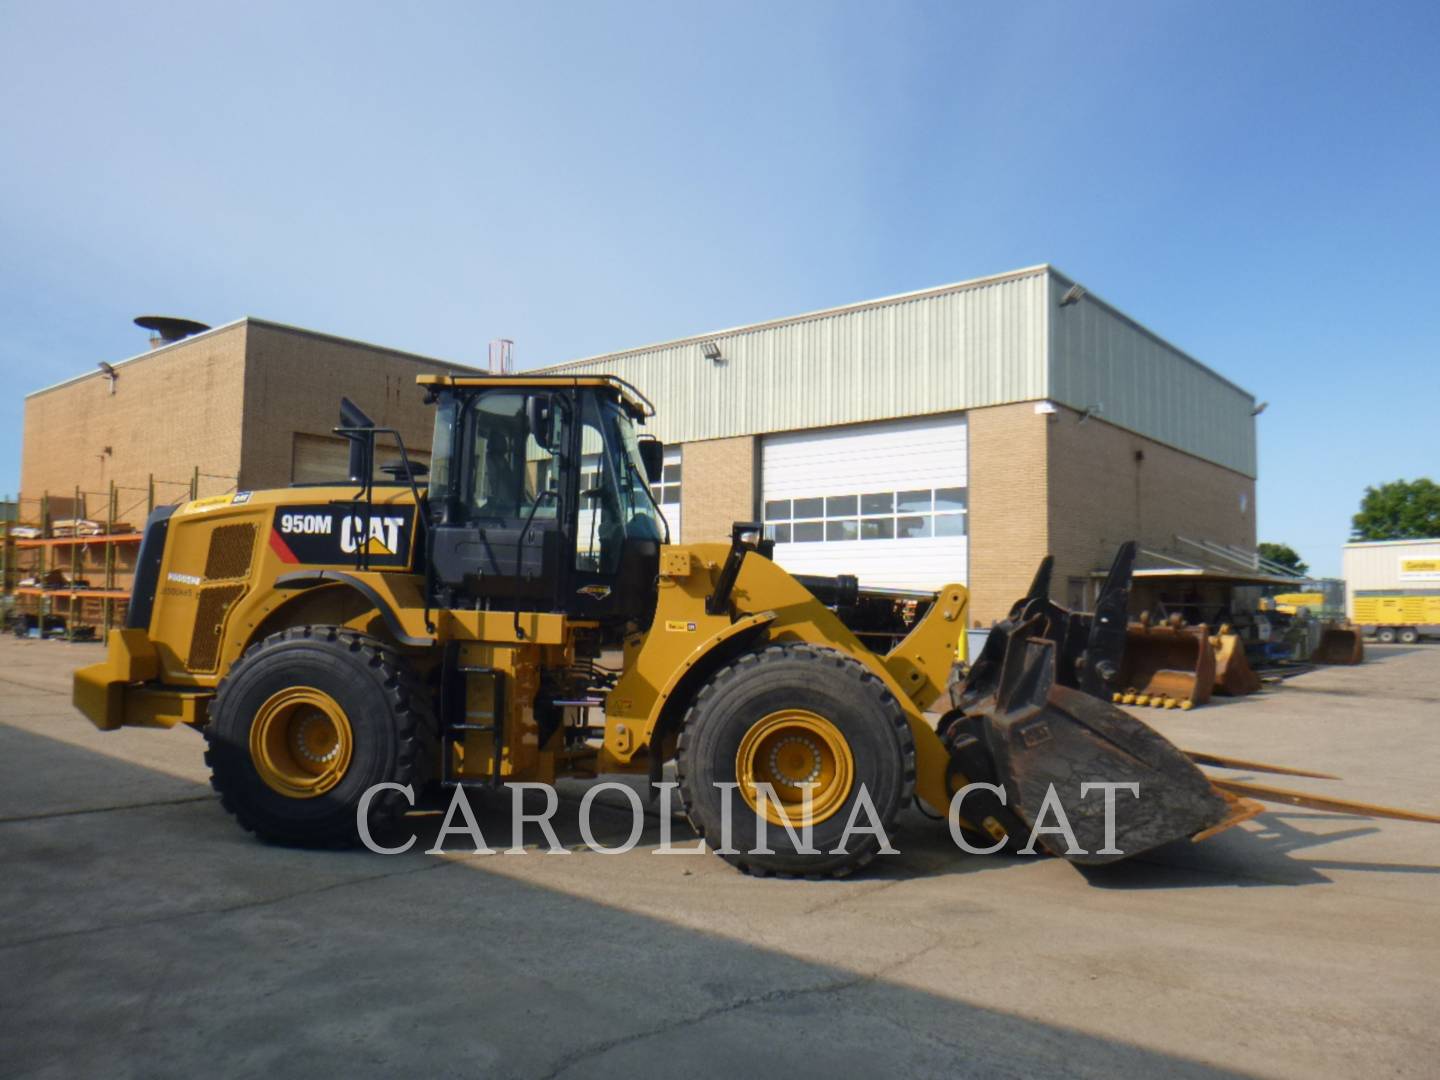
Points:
[(1420, 566), (675, 626)]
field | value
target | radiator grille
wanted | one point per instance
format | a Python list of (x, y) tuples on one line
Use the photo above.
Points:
[(231, 547), (210, 612)]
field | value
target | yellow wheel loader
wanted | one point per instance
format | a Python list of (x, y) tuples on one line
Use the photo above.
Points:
[(523, 616)]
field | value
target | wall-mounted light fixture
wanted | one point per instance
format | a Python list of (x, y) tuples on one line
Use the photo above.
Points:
[(109, 372), (711, 352), (1258, 409), (1073, 295)]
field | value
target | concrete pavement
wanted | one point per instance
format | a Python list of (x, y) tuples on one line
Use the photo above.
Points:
[(142, 933)]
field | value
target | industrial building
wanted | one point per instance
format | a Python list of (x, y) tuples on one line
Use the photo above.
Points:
[(250, 404), (957, 433), (953, 434)]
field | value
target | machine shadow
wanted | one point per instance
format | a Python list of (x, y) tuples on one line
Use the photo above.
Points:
[(170, 940), (1255, 854)]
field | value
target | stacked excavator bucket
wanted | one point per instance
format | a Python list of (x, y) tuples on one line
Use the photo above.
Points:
[(1339, 645), (1034, 718), (1233, 673), (1170, 666)]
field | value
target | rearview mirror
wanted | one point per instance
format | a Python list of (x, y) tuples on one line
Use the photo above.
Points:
[(537, 415), (652, 456)]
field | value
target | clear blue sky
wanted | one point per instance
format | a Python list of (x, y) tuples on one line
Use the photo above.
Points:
[(1256, 182)]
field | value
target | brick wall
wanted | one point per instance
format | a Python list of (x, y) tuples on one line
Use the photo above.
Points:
[(294, 381), (719, 488), (1108, 485), (228, 402), (1053, 484), (1008, 506), (172, 410)]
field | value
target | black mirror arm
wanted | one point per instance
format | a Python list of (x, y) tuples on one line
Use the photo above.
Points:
[(548, 493)]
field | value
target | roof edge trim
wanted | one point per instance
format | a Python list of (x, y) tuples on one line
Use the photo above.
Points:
[(214, 331)]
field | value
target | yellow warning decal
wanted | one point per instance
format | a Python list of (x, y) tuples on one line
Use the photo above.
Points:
[(678, 626)]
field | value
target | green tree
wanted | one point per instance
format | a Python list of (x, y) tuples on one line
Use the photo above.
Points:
[(1285, 555), (1399, 510)]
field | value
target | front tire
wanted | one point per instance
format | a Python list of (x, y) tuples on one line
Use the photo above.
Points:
[(789, 715), (304, 724)]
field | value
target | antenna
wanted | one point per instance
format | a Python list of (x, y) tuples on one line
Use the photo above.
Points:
[(502, 356)]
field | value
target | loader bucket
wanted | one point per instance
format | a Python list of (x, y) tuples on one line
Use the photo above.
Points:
[(1169, 666), (1037, 736), (1339, 645), (1233, 673)]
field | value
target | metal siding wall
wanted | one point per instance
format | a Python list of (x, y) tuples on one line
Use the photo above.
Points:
[(985, 343), (975, 346), (1377, 566), (1100, 359)]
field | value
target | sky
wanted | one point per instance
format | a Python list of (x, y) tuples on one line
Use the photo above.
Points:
[(1257, 183)]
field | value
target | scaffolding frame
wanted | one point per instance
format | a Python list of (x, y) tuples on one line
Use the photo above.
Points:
[(37, 551)]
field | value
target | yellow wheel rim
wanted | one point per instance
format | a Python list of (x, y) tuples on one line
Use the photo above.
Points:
[(786, 750), (300, 742)]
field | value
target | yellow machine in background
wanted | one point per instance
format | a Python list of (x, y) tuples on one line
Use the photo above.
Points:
[(1291, 603), (344, 647), (1398, 618)]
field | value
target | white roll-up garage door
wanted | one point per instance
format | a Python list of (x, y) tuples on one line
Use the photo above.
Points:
[(887, 502)]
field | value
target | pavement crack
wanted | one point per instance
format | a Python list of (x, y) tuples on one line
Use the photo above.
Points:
[(769, 997), (227, 909), (31, 686), (105, 809)]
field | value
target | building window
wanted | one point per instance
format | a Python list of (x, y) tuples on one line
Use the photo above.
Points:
[(667, 492), (868, 515)]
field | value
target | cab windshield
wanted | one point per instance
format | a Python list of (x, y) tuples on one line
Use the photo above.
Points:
[(615, 499)]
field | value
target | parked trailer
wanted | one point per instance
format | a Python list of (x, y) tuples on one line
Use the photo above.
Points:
[(1392, 588)]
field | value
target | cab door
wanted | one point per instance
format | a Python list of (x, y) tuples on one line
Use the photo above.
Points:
[(502, 505)]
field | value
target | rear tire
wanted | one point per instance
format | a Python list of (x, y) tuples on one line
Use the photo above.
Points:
[(838, 712), (304, 724), (1385, 635), (1409, 635)]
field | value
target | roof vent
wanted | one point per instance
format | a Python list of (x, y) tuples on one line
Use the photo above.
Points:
[(166, 330)]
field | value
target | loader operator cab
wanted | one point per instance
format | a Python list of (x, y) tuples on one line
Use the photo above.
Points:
[(539, 498)]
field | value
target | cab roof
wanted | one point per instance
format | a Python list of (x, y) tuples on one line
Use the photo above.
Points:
[(632, 398)]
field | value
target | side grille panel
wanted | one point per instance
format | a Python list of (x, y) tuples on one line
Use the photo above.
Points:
[(215, 601), (231, 548)]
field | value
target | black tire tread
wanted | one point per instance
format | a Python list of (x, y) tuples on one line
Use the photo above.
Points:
[(866, 683), (408, 703)]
